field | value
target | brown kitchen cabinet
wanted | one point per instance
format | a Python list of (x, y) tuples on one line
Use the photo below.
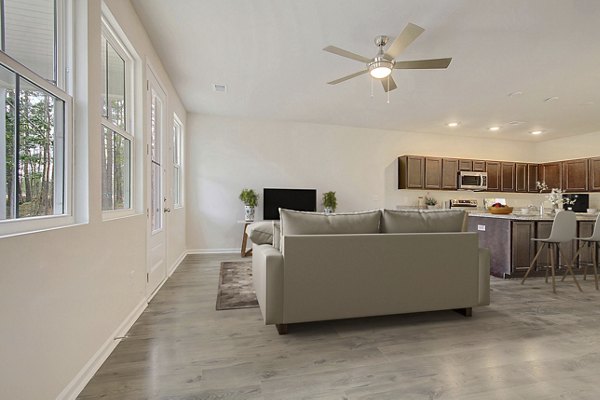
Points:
[(594, 174), (449, 173), (493, 176), (433, 173), (551, 173), (523, 248), (567, 252), (507, 176), (479, 166), (532, 178), (521, 178), (411, 172), (575, 175), (465, 165)]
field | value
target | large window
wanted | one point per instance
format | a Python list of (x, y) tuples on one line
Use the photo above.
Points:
[(117, 136), (34, 141), (177, 163)]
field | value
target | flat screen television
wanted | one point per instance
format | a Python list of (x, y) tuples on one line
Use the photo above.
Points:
[(292, 199)]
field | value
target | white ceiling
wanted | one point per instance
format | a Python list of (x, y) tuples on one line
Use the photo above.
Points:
[(269, 54)]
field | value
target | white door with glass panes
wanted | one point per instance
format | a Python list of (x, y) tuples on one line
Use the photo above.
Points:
[(156, 200)]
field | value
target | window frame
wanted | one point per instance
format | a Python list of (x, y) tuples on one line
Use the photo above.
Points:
[(111, 34), (179, 166), (26, 225)]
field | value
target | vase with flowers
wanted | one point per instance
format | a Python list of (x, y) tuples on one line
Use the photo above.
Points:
[(555, 197)]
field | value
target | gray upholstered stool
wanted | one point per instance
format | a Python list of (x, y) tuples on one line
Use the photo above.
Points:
[(564, 229)]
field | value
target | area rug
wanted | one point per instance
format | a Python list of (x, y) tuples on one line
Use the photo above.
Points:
[(235, 286)]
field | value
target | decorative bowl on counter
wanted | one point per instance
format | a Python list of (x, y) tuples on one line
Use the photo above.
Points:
[(500, 210)]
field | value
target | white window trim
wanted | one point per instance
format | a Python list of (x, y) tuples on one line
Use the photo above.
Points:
[(117, 39), (177, 122), (20, 226)]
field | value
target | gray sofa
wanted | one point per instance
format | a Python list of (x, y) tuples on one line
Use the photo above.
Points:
[(323, 267)]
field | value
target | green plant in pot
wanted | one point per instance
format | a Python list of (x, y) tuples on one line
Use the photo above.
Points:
[(250, 200), (430, 202), (329, 202)]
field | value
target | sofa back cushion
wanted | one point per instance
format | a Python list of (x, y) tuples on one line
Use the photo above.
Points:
[(417, 221), (309, 223)]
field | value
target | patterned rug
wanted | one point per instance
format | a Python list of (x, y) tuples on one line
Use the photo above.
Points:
[(235, 286)]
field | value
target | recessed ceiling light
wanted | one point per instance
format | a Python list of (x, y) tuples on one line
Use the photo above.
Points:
[(453, 124), (219, 88), (549, 99), (494, 128), (517, 93), (536, 132)]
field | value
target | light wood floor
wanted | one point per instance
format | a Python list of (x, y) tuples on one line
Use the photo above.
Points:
[(529, 344)]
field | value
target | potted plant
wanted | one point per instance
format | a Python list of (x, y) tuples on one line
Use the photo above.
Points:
[(250, 200), (329, 202), (430, 202)]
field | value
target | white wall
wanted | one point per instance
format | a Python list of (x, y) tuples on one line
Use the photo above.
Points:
[(360, 165), (65, 292)]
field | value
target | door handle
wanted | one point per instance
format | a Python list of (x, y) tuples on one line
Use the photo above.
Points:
[(167, 210)]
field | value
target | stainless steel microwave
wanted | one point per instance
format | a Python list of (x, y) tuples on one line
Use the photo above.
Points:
[(471, 180)]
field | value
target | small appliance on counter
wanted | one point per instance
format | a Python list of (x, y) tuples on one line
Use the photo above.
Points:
[(581, 204)]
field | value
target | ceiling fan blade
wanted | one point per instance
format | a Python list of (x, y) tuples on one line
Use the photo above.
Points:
[(388, 83), (406, 37), (423, 64), (345, 78), (347, 54)]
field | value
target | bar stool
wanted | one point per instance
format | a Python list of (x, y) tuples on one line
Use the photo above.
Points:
[(593, 242), (564, 229)]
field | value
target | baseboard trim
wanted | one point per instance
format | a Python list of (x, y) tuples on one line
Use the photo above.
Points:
[(177, 262), (213, 251), (72, 390)]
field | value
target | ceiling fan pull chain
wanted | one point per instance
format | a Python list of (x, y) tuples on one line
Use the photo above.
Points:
[(388, 91)]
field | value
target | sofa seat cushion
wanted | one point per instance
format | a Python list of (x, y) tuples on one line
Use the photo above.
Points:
[(310, 223), (260, 232), (418, 221)]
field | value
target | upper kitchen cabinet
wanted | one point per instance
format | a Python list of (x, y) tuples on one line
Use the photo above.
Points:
[(450, 173), (465, 165), (551, 173), (478, 166), (532, 177), (493, 176), (521, 178), (507, 176), (594, 174), (433, 173), (411, 170), (575, 175)]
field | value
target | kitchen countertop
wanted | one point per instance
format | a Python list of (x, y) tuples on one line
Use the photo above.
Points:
[(530, 217)]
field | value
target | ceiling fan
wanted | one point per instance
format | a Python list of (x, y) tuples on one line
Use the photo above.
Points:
[(384, 62)]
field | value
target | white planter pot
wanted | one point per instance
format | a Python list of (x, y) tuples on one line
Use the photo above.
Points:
[(249, 213)]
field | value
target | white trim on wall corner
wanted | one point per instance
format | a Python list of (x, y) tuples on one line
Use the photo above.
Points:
[(72, 390), (213, 251)]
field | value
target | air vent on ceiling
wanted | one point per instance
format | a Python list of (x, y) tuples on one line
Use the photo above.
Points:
[(220, 88)]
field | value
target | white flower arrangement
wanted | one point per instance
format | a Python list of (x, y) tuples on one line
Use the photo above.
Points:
[(555, 196)]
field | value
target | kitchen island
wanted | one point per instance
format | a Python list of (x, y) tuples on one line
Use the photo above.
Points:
[(508, 237)]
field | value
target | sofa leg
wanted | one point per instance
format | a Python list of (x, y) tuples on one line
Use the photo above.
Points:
[(467, 312), (282, 329)]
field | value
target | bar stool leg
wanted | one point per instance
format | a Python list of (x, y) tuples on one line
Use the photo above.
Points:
[(595, 262), (551, 245), (585, 265), (570, 269), (573, 262), (533, 263)]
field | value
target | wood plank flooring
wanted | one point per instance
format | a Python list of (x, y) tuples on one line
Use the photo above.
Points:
[(528, 344)]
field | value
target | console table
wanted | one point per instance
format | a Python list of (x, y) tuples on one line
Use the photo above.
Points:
[(243, 251)]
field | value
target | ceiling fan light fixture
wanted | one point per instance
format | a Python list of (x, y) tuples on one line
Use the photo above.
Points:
[(381, 68)]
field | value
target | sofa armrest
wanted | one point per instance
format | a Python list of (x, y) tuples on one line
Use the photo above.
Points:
[(484, 277), (267, 276)]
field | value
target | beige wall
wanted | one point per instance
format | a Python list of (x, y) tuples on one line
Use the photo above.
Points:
[(359, 164), (65, 292)]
